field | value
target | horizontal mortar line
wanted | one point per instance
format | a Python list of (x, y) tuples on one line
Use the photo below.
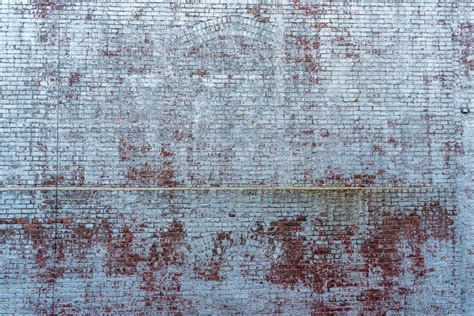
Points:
[(229, 188)]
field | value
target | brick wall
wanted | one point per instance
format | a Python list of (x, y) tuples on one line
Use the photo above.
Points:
[(369, 100)]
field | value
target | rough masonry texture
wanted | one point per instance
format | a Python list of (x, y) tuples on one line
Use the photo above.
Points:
[(370, 100)]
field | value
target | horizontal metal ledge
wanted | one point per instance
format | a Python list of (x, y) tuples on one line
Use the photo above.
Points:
[(228, 188)]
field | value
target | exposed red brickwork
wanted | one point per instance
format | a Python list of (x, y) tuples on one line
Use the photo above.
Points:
[(467, 41), (134, 135), (210, 269), (376, 265), (307, 262), (399, 240), (43, 8), (128, 149)]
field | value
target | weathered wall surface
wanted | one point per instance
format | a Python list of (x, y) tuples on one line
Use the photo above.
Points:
[(348, 94)]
